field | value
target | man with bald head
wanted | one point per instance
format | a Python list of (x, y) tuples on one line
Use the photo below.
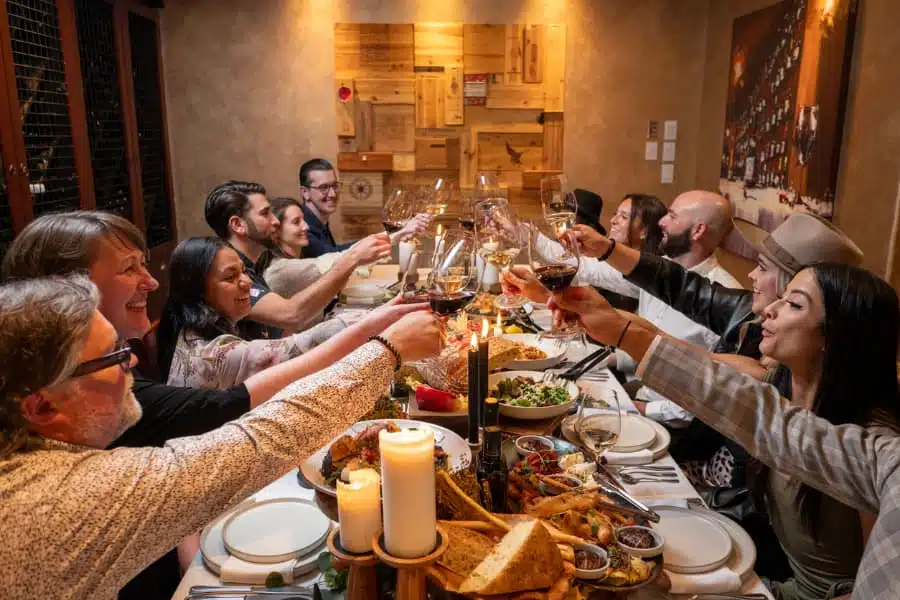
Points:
[(696, 224)]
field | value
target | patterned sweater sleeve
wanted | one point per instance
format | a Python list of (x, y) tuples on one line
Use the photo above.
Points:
[(114, 512)]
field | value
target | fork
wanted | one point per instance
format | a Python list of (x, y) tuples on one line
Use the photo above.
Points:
[(647, 477)]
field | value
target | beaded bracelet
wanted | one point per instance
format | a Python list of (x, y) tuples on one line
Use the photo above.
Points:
[(391, 349)]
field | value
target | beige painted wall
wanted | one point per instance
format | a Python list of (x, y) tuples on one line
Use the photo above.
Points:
[(249, 86), (870, 158)]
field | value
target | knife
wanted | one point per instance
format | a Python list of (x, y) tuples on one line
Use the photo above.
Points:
[(205, 591)]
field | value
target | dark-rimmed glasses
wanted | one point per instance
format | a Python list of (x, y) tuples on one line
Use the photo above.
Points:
[(120, 356), (326, 187)]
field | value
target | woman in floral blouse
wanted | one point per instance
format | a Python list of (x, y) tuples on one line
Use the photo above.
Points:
[(208, 294)]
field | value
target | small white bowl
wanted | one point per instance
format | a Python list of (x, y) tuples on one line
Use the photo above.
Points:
[(656, 550), (594, 574), (551, 490), (545, 443)]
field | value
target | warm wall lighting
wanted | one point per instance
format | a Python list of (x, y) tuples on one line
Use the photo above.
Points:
[(829, 8)]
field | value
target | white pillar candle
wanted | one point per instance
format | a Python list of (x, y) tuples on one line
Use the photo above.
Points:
[(487, 273), (359, 510), (407, 469), (405, 251)]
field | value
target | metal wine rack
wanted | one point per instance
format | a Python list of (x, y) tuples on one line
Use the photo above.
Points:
[(103, 105)]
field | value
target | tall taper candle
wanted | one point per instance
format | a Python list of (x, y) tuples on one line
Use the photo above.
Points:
[(359, 510), (407, 471), (483, 368), (474, 399)]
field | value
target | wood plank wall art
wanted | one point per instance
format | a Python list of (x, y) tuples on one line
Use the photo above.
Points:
[(419, 101)]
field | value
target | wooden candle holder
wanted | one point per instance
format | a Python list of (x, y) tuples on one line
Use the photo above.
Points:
[(362, 582), (411, 571)]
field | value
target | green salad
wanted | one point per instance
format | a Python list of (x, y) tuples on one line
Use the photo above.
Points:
[(528, 393)]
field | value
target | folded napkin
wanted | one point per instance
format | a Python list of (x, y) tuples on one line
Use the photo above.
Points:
[(235, 570), (641, 457), (720, 581)]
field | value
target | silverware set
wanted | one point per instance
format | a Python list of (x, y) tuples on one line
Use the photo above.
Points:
[(646, 474), (247, 592)]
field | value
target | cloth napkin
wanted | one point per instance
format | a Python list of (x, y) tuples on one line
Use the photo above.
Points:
[(641, 457), (235, 570), (720, 581)]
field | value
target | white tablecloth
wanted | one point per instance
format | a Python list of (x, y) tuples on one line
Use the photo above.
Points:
[(288, 487)]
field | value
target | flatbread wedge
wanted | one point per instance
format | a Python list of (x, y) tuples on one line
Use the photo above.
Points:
[(526, 558)]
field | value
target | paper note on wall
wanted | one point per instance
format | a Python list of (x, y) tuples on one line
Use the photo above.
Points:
[(668, 151), (670, 130), (651, 150), (668, 173)]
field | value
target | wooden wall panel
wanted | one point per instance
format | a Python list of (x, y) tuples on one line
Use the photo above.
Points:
[(386, 90), (365, 133), (533, 54), (367, 48), (484, 48), (554, 68), (515, 96), (365, 161), (453, 98), (404, 162), (437, 152), (394, 127), (438, 45), (364, 193), (553, 141), (430, 100), (515, 35), (510, 151), (345, 109)]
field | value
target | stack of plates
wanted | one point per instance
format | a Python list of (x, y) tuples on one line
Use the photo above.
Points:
[(636, 433), (364, 294), (694, 543), (262, 537)]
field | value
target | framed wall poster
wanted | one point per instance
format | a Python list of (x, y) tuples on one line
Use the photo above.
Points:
[(787, 90)]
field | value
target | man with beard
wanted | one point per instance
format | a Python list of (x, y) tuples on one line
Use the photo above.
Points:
[(696, 224)]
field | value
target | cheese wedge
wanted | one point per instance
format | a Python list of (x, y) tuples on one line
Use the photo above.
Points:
[(526, 558)]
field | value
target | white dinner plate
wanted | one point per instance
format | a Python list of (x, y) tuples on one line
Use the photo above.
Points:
[(274, 531), (459, 456), (214, 553), (695, 543), (743, 550), (658, 449), (531, 413), (636, 433), (555, 352)]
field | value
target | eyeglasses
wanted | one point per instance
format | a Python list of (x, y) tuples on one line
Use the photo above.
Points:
[(120, 356), (325, 187)]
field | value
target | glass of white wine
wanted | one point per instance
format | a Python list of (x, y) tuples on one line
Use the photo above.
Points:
[(598, 430), (437, 197), (500, 240), (560, 206), (452, 270)]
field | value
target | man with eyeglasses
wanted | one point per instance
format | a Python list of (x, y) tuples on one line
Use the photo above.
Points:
[(321, 192), (80, 520)]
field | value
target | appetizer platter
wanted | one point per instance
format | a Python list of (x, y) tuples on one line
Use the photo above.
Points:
[(535, 354), (357, 448)]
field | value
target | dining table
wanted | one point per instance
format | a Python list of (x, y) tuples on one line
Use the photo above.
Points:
[(599, 383)]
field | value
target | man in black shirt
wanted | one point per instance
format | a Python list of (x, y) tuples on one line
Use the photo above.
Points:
[(321, 191)]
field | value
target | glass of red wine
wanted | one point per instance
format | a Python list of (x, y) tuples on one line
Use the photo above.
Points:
[(452, 272), (555, 267)]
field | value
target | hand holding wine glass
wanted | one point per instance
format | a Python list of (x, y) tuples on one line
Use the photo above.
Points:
[(560, 206), (555, 272), (500, 240), (452, 270)]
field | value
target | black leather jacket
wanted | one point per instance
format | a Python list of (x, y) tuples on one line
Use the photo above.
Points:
[(722, 310)]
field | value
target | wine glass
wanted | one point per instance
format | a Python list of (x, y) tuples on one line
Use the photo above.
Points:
[(466, 216), (559, 204), (452, 270), (555, 269), (486, 186), (500, 240), (598, 428), (399, 208), (437, 197)]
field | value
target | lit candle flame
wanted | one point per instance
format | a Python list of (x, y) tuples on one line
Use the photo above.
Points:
[(484, 328), (474, 341)]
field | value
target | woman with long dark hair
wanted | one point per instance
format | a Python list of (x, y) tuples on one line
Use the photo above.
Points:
[(209, 293), (636, 222), (834, 333)]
